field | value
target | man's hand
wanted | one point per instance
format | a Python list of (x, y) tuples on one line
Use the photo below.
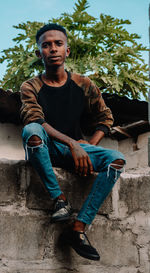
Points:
[(83, 141), (83, 164)]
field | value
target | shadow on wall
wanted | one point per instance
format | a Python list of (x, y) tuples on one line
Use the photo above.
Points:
[(124, 110), (10, 104)]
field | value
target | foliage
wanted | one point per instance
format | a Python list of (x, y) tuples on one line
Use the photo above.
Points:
[(100, 48)]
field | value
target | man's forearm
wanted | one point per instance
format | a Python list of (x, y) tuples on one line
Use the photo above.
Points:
[(97, 137), (55, 134), (82, 162)]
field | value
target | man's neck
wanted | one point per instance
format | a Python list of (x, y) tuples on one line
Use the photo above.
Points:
[(55, 77)]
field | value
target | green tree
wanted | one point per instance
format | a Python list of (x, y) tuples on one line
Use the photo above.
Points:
[(100, 48)]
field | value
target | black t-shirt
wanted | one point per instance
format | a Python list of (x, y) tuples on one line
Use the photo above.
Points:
[(63, 107)]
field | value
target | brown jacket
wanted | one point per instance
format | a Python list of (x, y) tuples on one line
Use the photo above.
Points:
[(96, 112)]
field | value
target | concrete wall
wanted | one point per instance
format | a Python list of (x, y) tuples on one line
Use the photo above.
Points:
[(30, 243), (10, 141)]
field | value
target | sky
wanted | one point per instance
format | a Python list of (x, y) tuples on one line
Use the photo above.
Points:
[(14, 12)]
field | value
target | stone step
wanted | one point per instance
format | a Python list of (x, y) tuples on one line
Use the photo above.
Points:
[(29, 237), (134, 193), (19, 180), (29, 242)]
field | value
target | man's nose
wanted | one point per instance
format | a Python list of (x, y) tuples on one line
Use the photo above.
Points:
[(53, 48)]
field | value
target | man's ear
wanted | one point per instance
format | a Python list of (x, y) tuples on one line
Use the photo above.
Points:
[(38, 54), (68, 51)]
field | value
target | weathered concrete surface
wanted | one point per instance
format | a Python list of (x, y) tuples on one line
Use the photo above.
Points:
[(8, 183), (33, 237), (33, 244), (74, 187), (11, 142), (134, 192), (19, 179), (29, 242), (136, 152)]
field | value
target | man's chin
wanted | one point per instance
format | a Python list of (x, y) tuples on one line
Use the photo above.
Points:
[(53, 65)]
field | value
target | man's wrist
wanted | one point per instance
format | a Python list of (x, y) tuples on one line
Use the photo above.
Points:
[(96, 138), (71, 143)]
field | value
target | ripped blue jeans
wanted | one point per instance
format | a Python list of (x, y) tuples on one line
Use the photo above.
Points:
[(52, 153)]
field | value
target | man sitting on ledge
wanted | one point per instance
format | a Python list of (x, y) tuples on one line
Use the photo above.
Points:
[(57, 106)]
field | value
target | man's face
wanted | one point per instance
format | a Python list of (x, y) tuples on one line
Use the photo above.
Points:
[(53, 48)]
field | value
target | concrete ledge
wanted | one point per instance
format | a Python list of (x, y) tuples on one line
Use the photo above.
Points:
[(32, 237), (30, 243), (81, 269), (19, 180), (134, 193)]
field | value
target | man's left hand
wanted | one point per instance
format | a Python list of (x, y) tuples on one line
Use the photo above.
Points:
[(83, 141)]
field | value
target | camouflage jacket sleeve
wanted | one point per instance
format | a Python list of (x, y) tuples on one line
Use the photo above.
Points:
[(96, 115), (31, 111)]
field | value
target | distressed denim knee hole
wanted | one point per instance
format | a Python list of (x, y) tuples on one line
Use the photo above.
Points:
[(32, 149), (117, 171), (34, 140)]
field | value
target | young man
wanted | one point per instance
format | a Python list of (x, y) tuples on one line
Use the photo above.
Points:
[(57, 106)]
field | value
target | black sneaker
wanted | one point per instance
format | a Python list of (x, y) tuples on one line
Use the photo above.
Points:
[(62, 211), (80, 243)]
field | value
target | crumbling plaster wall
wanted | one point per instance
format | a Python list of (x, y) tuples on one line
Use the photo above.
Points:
[(120, 232)]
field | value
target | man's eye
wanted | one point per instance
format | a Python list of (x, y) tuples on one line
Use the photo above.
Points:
[(45, 45), (59, 43)]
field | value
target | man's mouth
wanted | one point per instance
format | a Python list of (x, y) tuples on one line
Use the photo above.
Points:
[(53, 57)]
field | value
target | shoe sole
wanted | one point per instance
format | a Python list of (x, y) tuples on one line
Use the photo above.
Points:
[(84, 255), (81, 253), (61, 219)]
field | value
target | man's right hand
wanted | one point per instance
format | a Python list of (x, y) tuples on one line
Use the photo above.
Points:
[(83, 164)]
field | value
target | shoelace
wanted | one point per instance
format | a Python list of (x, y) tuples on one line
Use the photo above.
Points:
[(86, 238), (59, 204)]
